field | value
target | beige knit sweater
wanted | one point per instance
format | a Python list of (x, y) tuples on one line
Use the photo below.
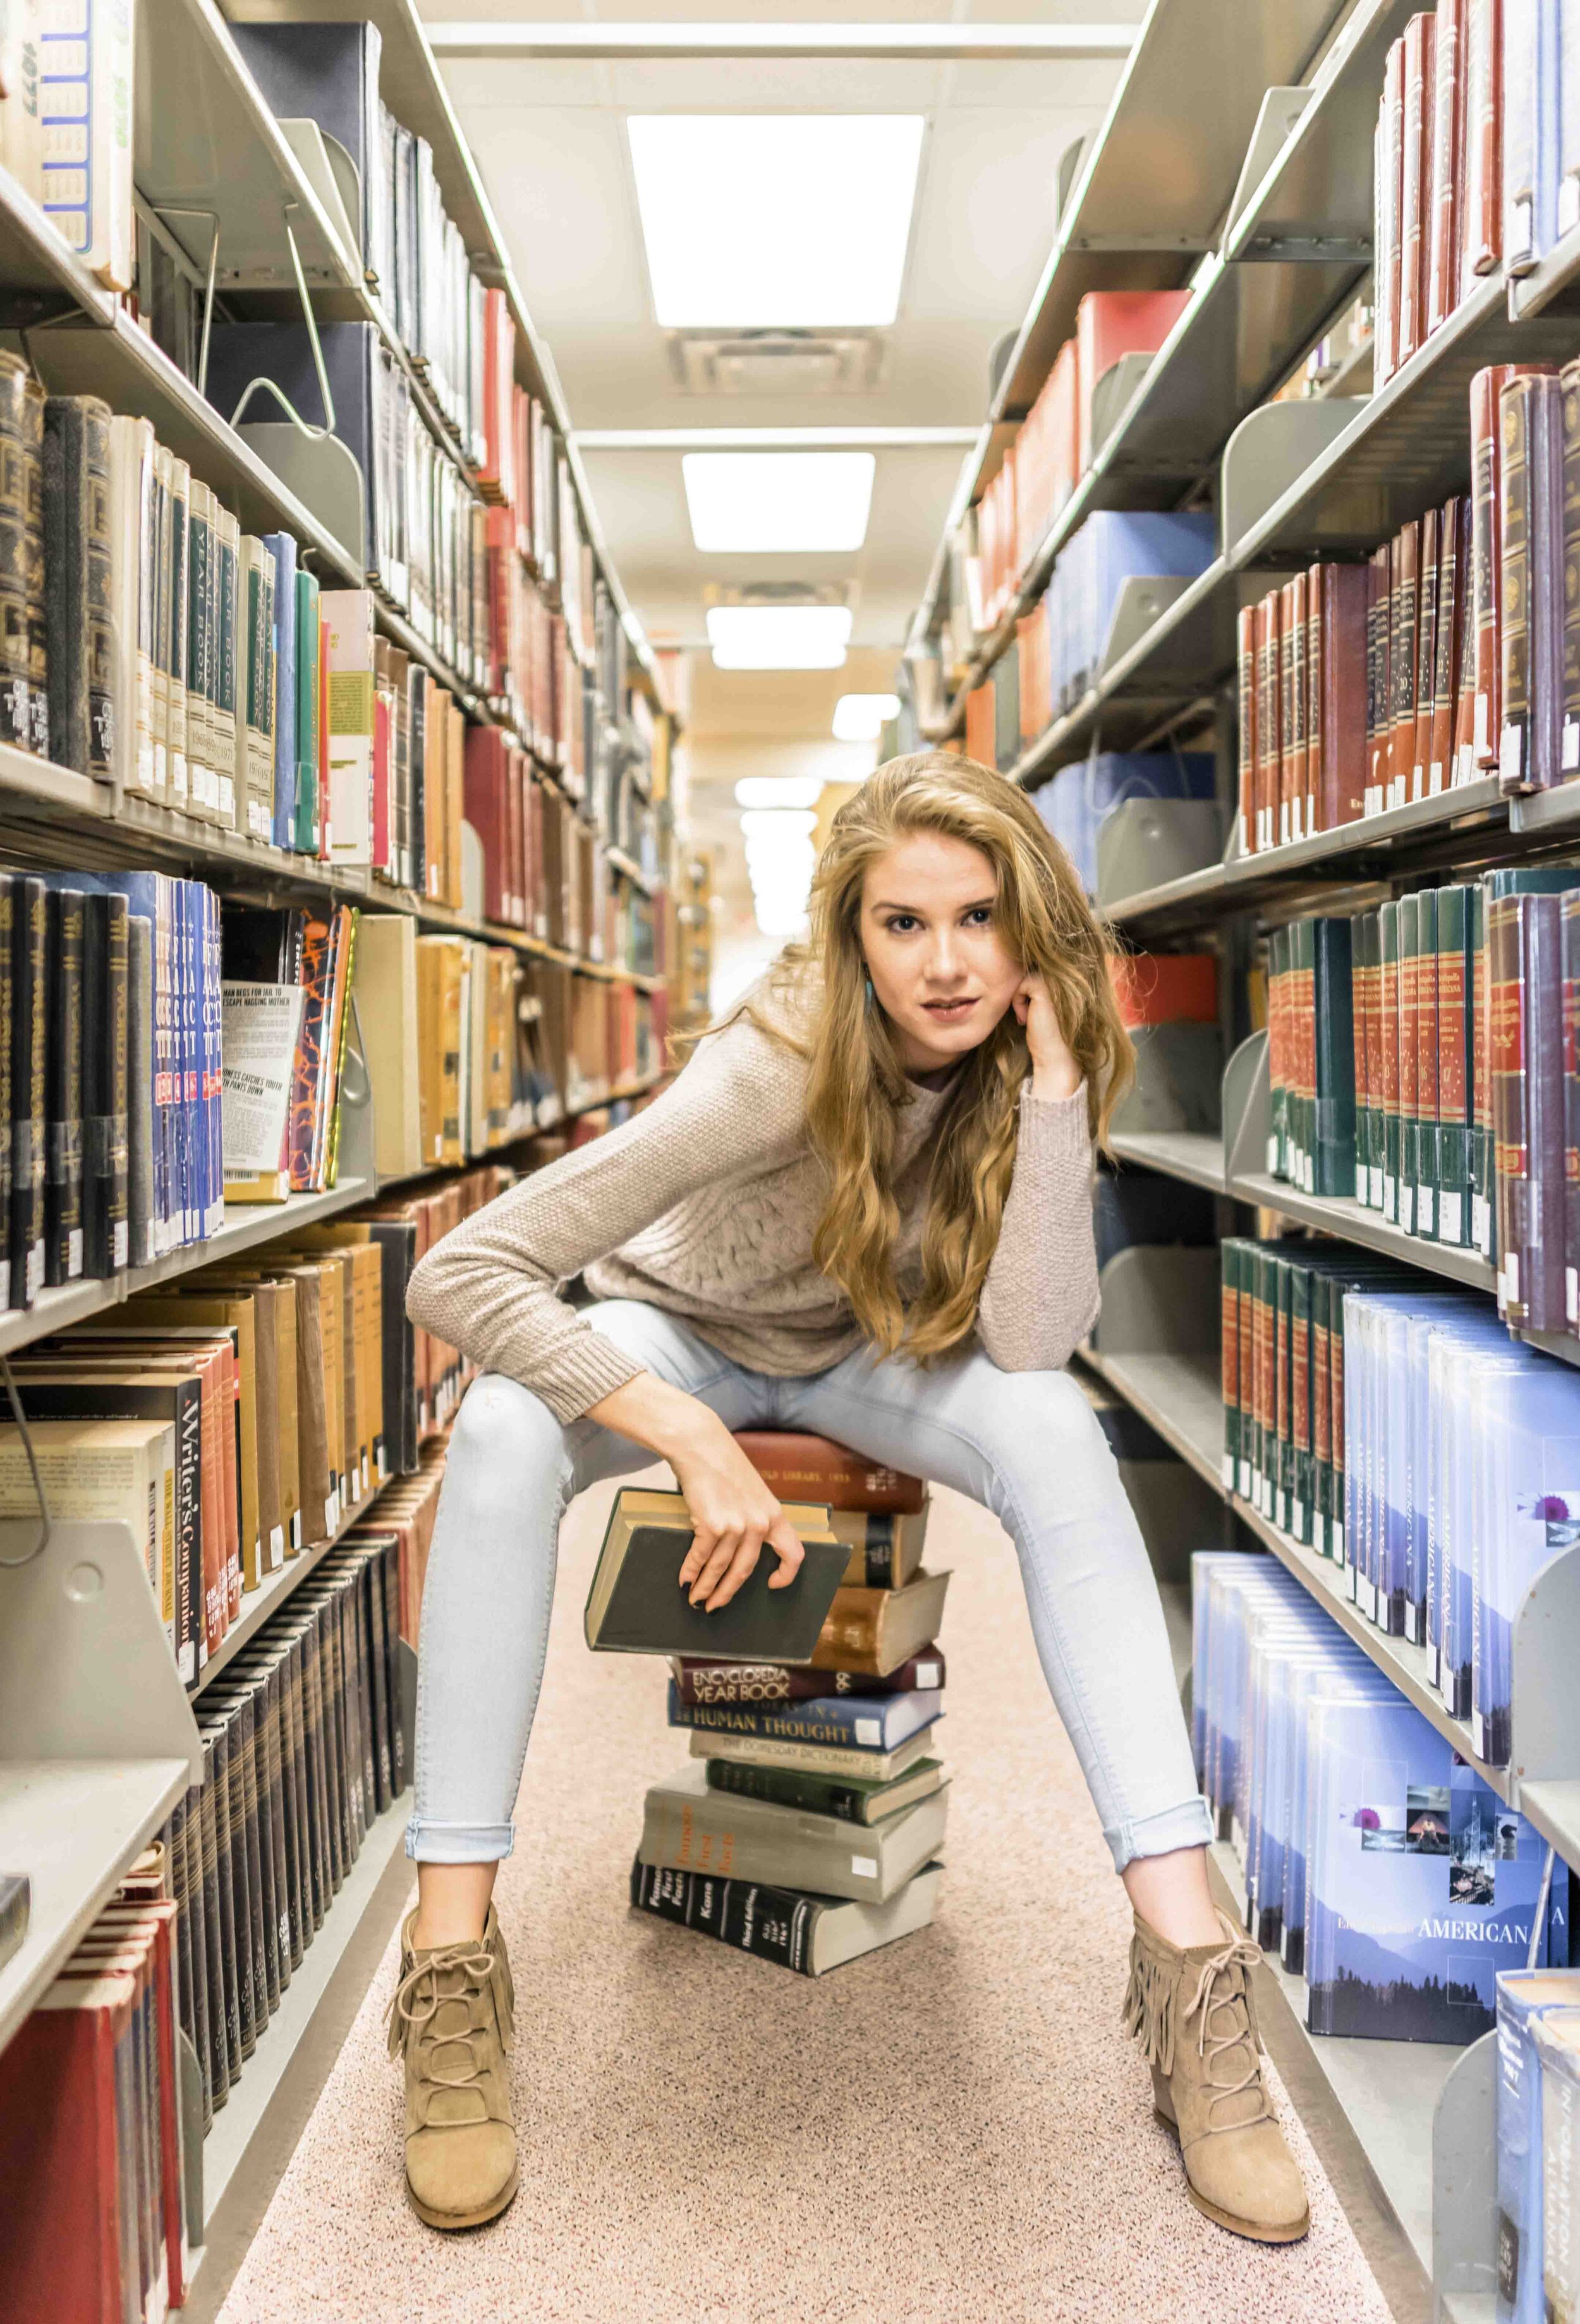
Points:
[(705, 1204)]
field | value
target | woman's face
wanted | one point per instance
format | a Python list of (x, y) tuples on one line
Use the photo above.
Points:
[(939, 967)]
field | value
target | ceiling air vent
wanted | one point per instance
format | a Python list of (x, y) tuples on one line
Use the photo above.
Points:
[(776, 363)]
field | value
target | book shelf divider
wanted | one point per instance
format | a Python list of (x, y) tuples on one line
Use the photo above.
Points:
[(1247, 1110), (1146, 843), (1465, 2178)]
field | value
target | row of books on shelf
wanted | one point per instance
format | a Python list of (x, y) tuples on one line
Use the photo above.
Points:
[(1452, 196), (1391, 1424), (1421, 1059), (1379, 1864), (304, 1746), (808, 1825)]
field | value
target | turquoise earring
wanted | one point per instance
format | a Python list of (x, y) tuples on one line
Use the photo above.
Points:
[(868, 981)]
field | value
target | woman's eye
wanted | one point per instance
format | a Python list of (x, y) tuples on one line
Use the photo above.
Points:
[(901, 923), (980, 916)]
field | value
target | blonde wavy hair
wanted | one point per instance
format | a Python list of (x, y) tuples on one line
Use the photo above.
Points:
[(856, 1084)]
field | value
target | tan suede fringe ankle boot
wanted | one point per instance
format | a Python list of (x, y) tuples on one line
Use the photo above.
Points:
[(452, 2016), (1195, 2015)]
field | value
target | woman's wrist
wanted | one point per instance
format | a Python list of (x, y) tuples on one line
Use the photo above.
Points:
[(1052, 1084), (654, 1412)]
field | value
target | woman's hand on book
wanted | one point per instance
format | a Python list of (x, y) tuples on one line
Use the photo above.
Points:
[(731, 1508), (734, 1515)]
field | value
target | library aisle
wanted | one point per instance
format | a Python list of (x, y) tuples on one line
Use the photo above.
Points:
[(703, 2137)]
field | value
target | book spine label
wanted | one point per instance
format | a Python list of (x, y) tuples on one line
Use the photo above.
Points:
[(1453, 1078), (1514, 530), (1230, 1361), (1506, 1076), (775, 1923)]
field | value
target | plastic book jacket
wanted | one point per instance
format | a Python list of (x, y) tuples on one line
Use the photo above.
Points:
[(1423, 1885)]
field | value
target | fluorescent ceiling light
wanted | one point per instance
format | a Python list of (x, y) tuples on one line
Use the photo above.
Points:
[(770, 439), (777, 501), (779, 637), (753, 220), (778, 790), (860, 717), (932, 41)]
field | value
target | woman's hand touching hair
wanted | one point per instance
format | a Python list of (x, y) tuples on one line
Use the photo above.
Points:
[(1055, 1075), (731, 1509)]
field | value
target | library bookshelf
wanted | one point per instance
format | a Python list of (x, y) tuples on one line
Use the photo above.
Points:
[(1267, 253)]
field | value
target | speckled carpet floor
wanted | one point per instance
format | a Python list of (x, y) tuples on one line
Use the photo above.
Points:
[(951, 2129)]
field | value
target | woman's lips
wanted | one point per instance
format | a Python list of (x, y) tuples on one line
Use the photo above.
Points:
[(949, 1011)]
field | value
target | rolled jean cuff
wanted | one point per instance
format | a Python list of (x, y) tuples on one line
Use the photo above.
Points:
[(1189, 1825), (458, 1843)]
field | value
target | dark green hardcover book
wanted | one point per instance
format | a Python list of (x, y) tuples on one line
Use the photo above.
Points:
[(236, 1704), (635, 1605), (1282, 963), (1388, 999), (200, 578), (1426, 1063), (1360, 1006), (1453, 1085), (1264, 1438), (63, 1086), (1410, 961), (393, 1683), (192, 1936), (313, 1805), (141, 1187), (1570, 938), (1246, 1371), (1481, 1134), (1281, 1462), (1303, 1003), (80, 621), (224, 2033), (1333, 1141), (28, 946), (1321, 1415), (298, 1827), (1300, 1475), (262, 1670), (1376, 1070), (849, 1797), (106, 1087)]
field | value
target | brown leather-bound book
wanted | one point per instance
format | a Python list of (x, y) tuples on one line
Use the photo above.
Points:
[(1379, 626), (1483, 131), (1515, 527), (875, 1630), (1343, 668), (1287, 691), (1569, 731), (802, 1468), (1315, 817), (1265, 827), (487, 812), (1410, 1050), (1425, 688), (1390, 182), (1270, 714), (1245, 673), (1445, 646), (1299, 692), (1486, 556), (1414, 183), (1388, 1013), (1570, 936), (1402, 662), (1448, 139), (1547, 609)]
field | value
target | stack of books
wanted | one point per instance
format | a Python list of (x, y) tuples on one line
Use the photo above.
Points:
[(808, 1825)]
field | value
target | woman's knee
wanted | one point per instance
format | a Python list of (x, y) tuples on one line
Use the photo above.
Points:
[(502, 1429)]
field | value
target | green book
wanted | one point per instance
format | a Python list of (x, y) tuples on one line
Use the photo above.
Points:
[(1388, 1002), (1333, 1132), (1360, 963), (1300, 1473), (1376, 1048), (636, 1605), (850, 1797), (1278, 1509), (1321, 1412), (1303, 998), (1454, 1052), (305, 839), (1230, 1251), (1261, 1435), (1426, 1063), (1410, 961)]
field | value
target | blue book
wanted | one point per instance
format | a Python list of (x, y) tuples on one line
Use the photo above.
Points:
[(832, 1722), (282, 545), (1422, 1885), (1122, 545), (213, 1067), (1448, 1345), (1311, 1683), (1529, 1426), (1523, 1996), (1077, 802)]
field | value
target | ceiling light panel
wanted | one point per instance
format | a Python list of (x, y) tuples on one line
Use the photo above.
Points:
[(779, 637), (861, 717), (775, 218), (778, 501)]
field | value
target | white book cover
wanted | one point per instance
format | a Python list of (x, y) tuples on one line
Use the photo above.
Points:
[(86, 110)]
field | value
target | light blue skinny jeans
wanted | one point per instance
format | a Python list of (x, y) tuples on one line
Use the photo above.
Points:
[(1025, 1444)]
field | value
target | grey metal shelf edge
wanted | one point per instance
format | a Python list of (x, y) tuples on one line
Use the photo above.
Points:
[(1243, 881), (1353, 1223), (1188, 1154), (49, 800), (246, 1225)]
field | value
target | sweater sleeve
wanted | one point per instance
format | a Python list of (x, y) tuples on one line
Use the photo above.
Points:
[(1040, 1296), (492, 1286)]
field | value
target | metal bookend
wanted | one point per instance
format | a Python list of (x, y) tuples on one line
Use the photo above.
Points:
[(1162, 1299), (310, 462), (1246, 1111), (1465, 2178), (43, 1542), (1179, 1071), (154, 216), (1270, 452), (1145, 843)]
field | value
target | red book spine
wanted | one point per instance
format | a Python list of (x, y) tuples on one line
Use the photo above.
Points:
[(1414, 183), (483, 792), (1541, 923), (1425, 689), (1402, 663), (1246, 674), (1359, 974), (1286, 723), (1507, 1097), (1315, 803), (1446, 647), (1344, 675), (1486, 561), (1483, 141), (1447, 138)]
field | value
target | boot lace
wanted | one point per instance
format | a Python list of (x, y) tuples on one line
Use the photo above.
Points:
[(1219, 1989), (417, 2000)]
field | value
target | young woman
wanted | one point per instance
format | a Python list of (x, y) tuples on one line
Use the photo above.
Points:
[(864, 1210)]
